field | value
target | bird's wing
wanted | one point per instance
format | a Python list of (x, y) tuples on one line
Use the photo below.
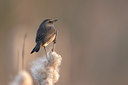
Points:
[(41, 32), (40, 37), (50, 33), (43, 35)]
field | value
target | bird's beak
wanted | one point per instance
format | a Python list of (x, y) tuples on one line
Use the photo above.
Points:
[(55, 20)]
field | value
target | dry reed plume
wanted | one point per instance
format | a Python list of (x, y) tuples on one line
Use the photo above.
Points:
[(46, 70), (23, 78)]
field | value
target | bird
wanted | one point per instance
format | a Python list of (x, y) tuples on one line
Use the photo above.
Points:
[(46, 34)]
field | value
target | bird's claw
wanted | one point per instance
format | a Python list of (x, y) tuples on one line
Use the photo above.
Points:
[(52, 49)]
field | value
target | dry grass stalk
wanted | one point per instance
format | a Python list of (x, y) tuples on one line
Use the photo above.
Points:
[(23, 50)]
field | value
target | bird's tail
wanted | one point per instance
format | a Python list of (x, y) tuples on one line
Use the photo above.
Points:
[(36, 48)]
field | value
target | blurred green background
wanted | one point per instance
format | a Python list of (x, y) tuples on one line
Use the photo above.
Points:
[(92, 39)]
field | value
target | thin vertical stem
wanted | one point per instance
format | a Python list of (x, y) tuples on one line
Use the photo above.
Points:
[(23, 52), (46, 52), (18, 61)]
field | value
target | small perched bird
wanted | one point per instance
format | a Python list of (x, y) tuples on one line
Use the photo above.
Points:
[(46, 34)]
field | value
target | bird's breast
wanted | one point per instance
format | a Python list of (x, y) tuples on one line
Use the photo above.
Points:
[(49, 41)]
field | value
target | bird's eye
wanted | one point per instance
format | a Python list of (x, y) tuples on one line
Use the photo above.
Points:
[(50, 22)]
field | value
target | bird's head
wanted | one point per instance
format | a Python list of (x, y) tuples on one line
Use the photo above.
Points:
[(49, 21)]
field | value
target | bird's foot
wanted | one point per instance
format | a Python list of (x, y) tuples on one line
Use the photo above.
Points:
[(52, 49)]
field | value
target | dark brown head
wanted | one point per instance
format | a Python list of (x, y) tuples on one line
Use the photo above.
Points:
[(49, 21)]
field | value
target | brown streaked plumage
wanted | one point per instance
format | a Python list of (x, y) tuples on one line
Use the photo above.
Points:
[(46, 34)]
